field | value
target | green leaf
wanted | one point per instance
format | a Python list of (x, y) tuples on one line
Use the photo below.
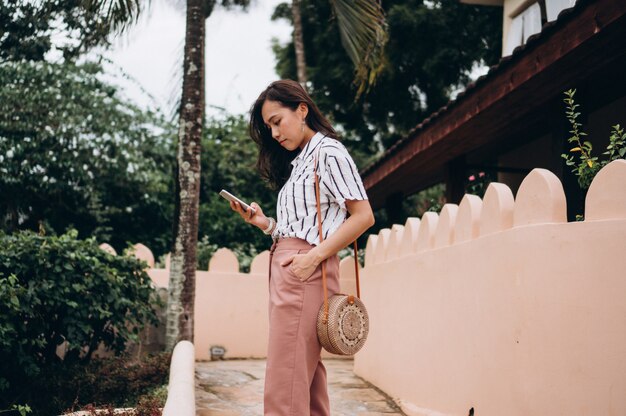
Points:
[(363, 34)]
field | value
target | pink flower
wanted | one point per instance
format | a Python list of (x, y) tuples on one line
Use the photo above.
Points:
[(471, 178), (481, 174)]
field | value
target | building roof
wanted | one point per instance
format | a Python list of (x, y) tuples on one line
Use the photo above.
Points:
[(583, 37)]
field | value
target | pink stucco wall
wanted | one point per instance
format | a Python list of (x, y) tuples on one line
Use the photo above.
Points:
[(497, 305), (231, 307), (501, 305)]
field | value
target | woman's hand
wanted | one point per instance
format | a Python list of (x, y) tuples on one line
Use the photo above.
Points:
[(302, 265), (257, 218)]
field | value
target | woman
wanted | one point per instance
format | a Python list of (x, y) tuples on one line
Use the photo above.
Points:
[(290, 130)]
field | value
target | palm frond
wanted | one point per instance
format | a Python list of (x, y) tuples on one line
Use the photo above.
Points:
[(363, 31), (119, 15)]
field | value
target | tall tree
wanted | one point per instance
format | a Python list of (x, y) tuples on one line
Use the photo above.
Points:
[(363, 33), (298, 42), (182, 281), (181, 289)]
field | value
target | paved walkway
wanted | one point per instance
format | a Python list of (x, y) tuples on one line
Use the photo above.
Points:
[(235, 387)]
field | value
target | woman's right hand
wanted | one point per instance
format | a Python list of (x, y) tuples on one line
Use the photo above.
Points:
[(257, 218)]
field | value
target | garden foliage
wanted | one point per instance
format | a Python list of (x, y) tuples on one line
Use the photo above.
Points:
[(116, 382), (580, 158), (60, 291), (75, 154), (31, 30)]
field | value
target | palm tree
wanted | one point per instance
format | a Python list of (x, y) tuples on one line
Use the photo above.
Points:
[(298, 42), (363, 32), (120, 15), (182, 281)]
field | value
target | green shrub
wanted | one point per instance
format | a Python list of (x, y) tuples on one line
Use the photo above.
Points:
[(57, 289), (115, 382), (580, 158), (103, 383), (146, 407)]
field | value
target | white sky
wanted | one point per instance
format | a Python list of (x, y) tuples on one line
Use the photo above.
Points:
[(239, 59)]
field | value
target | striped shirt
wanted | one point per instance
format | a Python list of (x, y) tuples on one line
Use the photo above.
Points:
[(296, 209)]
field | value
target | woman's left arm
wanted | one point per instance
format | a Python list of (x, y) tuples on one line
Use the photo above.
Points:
[(361, 218)]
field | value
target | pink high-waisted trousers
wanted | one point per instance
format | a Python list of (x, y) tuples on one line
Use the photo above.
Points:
[(295, 378)]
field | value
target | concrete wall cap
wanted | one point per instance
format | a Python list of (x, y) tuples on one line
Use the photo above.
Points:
[(467, 224), (261, 262), (382, 245), (606, 197), (395, 242), (224, 260), (497, 209), (143, 253), (107, 247), (346, 268), (370, 249), (426, 235), (409, 236), (540, 199), (444, 235)]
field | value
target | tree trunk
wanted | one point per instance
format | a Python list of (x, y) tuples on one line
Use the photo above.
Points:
[(182, 281), (298, 42)]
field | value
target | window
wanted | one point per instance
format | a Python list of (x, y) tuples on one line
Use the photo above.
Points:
[(514, 37), (554, 7), (529, 18), (532, 21), (525, 24)]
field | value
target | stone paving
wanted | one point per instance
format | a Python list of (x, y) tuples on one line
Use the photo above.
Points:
[(235, 387)]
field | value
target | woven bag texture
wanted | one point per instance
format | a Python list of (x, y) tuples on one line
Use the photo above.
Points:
[(347, 327)]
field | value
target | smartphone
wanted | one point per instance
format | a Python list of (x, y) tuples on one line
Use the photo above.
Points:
[(227, 195)]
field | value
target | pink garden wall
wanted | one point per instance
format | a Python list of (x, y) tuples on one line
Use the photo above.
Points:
[(231, 307), (497, 305), (501, 306)]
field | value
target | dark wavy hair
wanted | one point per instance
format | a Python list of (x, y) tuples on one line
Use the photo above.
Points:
[(274, 162)]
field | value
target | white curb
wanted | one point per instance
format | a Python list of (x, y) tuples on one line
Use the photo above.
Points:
[(181, 398)]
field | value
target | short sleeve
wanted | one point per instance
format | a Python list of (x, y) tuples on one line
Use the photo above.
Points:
[(340, 175)]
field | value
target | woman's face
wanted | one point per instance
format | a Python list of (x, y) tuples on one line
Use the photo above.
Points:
[(286, 124)]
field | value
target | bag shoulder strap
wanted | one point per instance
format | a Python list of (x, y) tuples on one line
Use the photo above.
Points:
[(319, 223)]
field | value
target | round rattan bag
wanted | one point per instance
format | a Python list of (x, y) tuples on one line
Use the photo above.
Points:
[(342, 322), (346, 328)]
